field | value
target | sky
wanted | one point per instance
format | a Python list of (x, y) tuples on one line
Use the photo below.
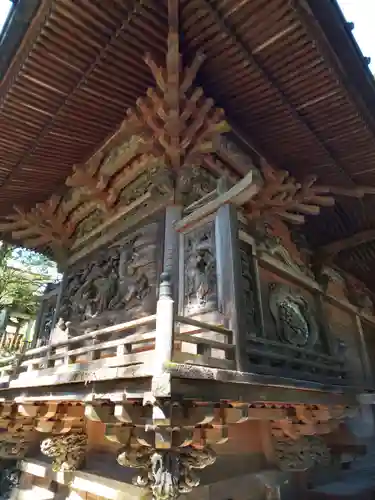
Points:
[(362, 14), (5, 6)]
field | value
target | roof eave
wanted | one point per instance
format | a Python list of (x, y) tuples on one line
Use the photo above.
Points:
[(342, 42), (16, 26)]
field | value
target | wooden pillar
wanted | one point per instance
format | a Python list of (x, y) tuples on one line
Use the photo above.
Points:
[(173, 214), (328, 336), (163, 338), (38, 323), (363, 351), (230, 296), (58, 301)]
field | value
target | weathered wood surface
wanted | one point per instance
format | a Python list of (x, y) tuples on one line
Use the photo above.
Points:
[(112, 284)]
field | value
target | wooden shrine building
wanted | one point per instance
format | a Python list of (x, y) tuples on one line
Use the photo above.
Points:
[(203, 172)]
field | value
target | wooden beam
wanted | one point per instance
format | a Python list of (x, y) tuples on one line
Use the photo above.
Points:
[(239, 194), (347, 243)]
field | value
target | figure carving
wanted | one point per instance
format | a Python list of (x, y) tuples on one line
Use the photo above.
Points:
[(130, 284), (68, 451), (294, 320), (272, 246), (116, 278), (200, 269), (194, 183), (168, 474), (360, 296)]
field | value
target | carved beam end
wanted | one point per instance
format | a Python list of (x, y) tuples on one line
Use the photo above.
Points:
[(68, 451), (167, 474)]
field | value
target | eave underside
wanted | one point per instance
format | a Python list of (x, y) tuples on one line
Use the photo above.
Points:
[(80, 67)]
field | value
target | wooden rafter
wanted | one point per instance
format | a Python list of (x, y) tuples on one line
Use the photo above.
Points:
[(45, 225), (199, 122), (282, 196), (96, 185), (177, 119), (332, 249)]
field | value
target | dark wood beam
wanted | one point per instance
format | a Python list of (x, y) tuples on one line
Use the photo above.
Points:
[(332, 249)]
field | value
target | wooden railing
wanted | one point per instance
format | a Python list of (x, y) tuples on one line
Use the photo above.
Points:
[(201, 343), (124, 350), (144, 347), (96, 350), (276, 358)]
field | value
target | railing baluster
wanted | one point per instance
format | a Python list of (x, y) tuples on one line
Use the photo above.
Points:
[(164, 337)]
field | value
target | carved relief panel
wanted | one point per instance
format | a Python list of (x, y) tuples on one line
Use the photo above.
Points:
[(114, 283), (294, 337), (289, 311), (345, 338), (293, 316), (200, 277), (251, 300)]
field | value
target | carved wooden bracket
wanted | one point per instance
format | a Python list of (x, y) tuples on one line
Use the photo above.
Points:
[(298, 444), (63, 422), (165, 440), (44, 225), (94, 185), (167, 473), (181, 130), (68, 451), (281, 195)]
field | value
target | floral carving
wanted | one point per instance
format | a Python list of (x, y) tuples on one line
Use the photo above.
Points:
[(193, 183), (68, 451), (301, 454)]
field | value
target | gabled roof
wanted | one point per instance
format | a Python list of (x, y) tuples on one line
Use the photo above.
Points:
[(288, 74)]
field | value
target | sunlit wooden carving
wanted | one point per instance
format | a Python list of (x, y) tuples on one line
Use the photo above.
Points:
[(181, 129), (44, 225)]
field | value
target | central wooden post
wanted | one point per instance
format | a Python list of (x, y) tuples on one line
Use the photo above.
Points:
[(230, 293)]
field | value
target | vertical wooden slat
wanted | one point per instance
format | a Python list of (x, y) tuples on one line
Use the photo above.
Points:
[(328, 335), (173, 213), (58, 301), (257, 324), (363, 350), (229, 277)]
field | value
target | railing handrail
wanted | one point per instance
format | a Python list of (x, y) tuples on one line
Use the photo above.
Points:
[(203, 325), (120, 327)]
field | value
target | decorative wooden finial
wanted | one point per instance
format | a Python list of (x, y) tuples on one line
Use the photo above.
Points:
[(165, 288)]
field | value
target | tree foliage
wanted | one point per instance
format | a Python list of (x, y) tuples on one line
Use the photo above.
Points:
[(23, 275)]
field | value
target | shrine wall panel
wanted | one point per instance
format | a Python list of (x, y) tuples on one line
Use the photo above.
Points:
[(199, 274), (295, 330), (113, 284), (344, 332)]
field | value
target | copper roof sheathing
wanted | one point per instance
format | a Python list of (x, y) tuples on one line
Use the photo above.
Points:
[(268, 63)]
